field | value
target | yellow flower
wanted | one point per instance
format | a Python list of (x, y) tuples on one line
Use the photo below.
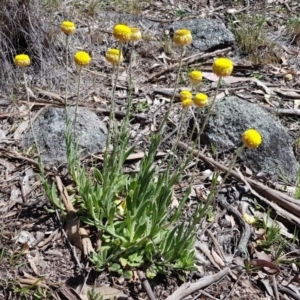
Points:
[(22, 60), (122, 33), (251, 138), (200, 100), (249, 219), (82, 58), (121, 206), (113, 56), (195, 77), (68, 27), (182, 37), (184, 95), (136, 34), (222, 67), (187, 103)]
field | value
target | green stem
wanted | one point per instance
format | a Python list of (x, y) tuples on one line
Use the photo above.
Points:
[(209, 111), (112, 76), (237, 154), (77, 100), (30, 121), (207, 116), (196, 123), (67, 73), (111, 123), (162, 127), (130, 64)]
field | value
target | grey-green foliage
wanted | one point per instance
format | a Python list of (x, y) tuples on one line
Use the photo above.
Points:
[(93, 295), (134, 214)]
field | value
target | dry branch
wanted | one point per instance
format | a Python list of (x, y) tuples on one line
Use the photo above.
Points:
[(189, 288)]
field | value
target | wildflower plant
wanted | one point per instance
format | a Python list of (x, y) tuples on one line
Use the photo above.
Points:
[(68, 28), (222, 67), (181, 38), (195, 78), (134, 215), (82, 59), (23, 61), (252, 139)]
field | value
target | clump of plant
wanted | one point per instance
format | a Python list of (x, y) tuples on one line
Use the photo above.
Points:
[(134, 214), (251, 36), (293, 28), (135, 222)]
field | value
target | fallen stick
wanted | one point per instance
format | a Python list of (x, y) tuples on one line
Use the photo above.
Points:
[(146, 285), (189, 288)]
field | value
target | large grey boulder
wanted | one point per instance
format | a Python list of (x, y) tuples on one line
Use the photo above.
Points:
[(231, 117), (50, 129), (207, 34)]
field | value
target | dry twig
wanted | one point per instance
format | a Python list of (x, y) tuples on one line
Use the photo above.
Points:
[(189, 288)]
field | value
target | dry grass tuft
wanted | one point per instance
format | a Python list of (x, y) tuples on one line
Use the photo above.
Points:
[(251, 37), (293, 27), (23, 30)]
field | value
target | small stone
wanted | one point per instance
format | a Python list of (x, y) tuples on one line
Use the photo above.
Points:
[(288, 77)]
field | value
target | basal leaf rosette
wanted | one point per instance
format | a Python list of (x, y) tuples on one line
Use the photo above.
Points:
[(122, 33), (251, 138), (68, 27), (82, 58), (182, 37), (114, 56), (22, 60), (222, 67)]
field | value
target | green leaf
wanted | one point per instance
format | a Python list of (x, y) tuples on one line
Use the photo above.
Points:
[(115, 267), (151, 273), (127, 274)]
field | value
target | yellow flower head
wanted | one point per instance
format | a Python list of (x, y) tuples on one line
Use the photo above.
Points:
[(114, 56), (249, 219), (187, 103), (22, 60), (195, 77), (68, 27), (136, 34), (222, 67), (200, 100), (182, 37), (82, 58), (184, 95), (251, 138), (122, 33)]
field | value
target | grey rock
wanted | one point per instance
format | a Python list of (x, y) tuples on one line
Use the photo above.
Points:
[(231, 117), (207, 34), (50, 128)]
